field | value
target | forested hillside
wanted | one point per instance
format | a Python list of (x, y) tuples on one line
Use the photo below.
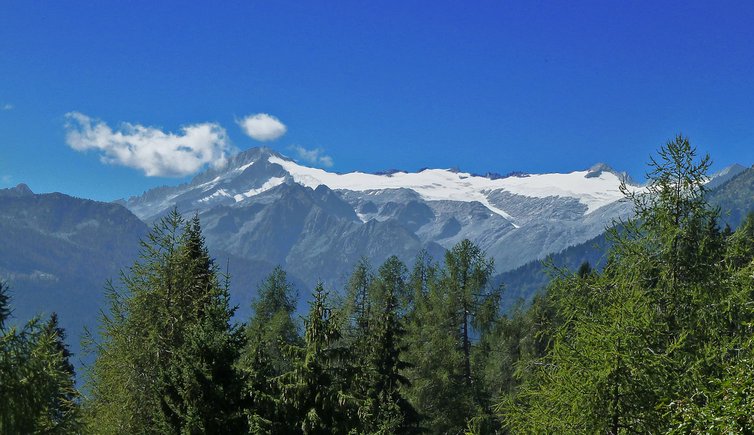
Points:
[(657, 340), (57, 251)]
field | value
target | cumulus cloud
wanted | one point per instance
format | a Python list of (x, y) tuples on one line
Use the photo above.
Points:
[(6, 107), (151, 150), (262, 127), (314, 156)]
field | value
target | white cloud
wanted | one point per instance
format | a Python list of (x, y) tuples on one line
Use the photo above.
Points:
[(314, 156), (6, 107), (262, 127), (149, 149), (6, 179)]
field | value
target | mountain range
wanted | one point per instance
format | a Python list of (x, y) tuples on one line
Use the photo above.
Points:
[(268, 209), (263, 209)]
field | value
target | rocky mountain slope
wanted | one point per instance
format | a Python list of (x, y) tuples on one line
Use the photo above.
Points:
[(271, 210)]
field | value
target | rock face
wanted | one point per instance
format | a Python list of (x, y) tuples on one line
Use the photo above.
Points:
[(268, 209)]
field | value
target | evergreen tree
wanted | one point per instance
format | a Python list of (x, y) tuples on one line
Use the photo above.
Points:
[(467, 278), (355, 321), (385, 410), (740, 244), (314, 388), (269, 334), (5, 310), (433, 353), (454, 307), (62, 415), (358, 302), (37, 388), (724, 400), (638, 337), (165, 360)]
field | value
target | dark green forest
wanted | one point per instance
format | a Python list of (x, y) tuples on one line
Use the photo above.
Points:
[(658, 339)]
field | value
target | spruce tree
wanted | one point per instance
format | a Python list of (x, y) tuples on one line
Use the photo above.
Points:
[(269, 334), (314, 387), (37, 386), (385, 409), (166, 353)]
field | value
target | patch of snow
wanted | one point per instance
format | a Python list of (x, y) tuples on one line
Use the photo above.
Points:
[(362, 217), (217, 194), (442, 184), (269, 184)]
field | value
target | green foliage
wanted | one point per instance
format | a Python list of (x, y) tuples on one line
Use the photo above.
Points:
[(166, 350), (37, 388), (659, 339), (631, 344), (455, 309), (384, 409), (313, 388), (269, 334)]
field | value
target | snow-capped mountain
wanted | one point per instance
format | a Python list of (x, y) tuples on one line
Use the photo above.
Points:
[(724, 175), (266, 208)]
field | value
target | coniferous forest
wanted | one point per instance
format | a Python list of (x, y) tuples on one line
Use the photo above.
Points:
[(658, 340)]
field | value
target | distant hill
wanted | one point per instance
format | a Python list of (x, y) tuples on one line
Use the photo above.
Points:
[(523, 283), (735, 197), (57, 251)]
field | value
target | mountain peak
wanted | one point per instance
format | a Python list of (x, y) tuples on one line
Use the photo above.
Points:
[(19, 191), (597, 169), (23, 189), (239, 160), (251, 155), (724, 175), (735, 168)]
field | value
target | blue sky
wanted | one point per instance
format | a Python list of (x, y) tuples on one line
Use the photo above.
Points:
[(486, 86)]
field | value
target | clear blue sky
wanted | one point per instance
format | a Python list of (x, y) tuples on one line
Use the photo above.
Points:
[(486, 86)]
